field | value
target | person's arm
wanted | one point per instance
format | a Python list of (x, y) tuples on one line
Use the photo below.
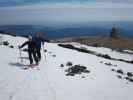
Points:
[(45, 40), (25, 43)]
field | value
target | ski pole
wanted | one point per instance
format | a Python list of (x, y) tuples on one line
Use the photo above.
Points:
[(44, 54), (20, 55)]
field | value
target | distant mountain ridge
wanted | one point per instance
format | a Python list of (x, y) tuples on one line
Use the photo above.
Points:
[(68, 31)]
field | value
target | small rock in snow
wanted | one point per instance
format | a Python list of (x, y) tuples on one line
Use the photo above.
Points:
[(113, 70), (11, 46), (69, 63), (129, 74), (62, 65), (6, 43), (53, 55), (45, 50), (120, 77), (120, 71)]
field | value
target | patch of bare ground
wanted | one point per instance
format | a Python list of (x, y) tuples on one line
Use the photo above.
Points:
[(114, 43)]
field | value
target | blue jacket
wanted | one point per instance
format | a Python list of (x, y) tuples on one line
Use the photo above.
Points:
[(38, 41)]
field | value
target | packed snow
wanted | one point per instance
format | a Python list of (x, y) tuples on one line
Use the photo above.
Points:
[(49, 81)]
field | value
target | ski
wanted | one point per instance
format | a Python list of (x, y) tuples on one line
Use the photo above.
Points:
[(34, 66)]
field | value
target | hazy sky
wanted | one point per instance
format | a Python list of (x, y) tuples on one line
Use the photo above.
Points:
[(61, 11)]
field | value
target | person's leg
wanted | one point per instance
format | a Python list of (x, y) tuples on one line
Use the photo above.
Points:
[(39, 54), (30, 57), (35, 57)]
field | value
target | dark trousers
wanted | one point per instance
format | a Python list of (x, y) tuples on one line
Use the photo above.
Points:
[(32, 55), (38, 52)]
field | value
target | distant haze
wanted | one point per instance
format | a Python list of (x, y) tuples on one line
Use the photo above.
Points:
[(23, 12)]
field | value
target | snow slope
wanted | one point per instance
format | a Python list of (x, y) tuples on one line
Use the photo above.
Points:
[(49, 82)]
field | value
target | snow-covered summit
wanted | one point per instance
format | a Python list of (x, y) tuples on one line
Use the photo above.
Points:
[(107, 79)]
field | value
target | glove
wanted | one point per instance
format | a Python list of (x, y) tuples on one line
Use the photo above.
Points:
[(48, 40)]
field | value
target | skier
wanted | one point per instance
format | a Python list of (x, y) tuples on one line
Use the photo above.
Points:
[(39, 39), (31, 50)]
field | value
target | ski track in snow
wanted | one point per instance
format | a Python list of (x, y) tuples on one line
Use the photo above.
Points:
[(50, 82), (47, 92)]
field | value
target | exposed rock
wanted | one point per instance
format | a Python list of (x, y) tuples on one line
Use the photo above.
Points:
[(83, 76), (6, 43), (61, 65), (66, 46), (114, 33), (131, 62), (54, 55), (76, 69), (104, 56), (11, 46), (70, 74), (120, 77), (69, 63), (86, 71), (45, 50), (113, 70), (109, 64), (129, 79), (101, 61), (129, 74), (69, 46), (120, 71)]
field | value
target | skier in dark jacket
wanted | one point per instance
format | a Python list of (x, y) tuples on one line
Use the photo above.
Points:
[(31, 50), (39, 39)]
